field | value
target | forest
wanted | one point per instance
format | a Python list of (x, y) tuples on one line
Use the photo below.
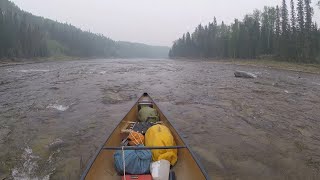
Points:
[(23, 35), (278, 33)]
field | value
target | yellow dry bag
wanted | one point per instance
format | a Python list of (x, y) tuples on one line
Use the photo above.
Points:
[(160, 135)]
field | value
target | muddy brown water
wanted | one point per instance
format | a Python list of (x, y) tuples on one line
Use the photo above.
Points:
[(54, 115)]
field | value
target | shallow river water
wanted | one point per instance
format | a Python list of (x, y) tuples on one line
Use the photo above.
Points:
[(54, 115)]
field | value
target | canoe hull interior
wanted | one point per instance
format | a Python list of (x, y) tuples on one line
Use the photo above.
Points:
[(102, 166)]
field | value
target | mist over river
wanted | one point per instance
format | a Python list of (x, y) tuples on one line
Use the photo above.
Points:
[(54, 115)]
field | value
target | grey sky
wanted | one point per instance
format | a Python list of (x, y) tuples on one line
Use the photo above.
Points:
[(156, 22)]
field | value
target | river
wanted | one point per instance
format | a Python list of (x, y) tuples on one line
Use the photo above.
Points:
[(54, 115)]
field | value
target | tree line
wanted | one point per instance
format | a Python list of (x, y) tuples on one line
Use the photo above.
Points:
[(23, 35), (272, 32), (24, 41)]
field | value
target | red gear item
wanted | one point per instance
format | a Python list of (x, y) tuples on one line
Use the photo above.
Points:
[(138, 177)]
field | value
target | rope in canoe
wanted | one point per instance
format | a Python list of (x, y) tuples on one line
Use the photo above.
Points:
[(123, 158), (132, 161)]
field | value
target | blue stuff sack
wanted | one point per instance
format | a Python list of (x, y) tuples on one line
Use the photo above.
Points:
[(137, 161)]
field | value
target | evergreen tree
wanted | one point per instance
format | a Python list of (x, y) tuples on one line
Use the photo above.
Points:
[(268, 17), (284, 30), (308, 29), (300, 29), (272, 23), (293, 17), (214, 36), (278, 31), (300, 16), (25, 35), (234, 39), (293, 36), (1, 33), (189, 45), (261, 33)]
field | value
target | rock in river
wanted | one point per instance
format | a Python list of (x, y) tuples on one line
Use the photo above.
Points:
[(244, 74)]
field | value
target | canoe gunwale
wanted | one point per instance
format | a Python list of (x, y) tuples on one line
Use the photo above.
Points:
[(184, 142), (85, 173), (186, 146)]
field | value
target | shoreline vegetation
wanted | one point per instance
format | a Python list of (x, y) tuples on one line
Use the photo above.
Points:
[(313, 68), (284, 33), (281, 65), (24, 35), (20, 61)]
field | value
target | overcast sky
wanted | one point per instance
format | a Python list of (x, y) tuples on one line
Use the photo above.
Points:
[(156, 22)]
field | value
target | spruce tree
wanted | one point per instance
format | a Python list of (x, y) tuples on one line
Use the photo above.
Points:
[(308, 18), (272, 18), (300, 29), (308, 29), (293, 18), (293, 35), (284, 18), (188, 45), (300, 16), (1, 34), (277, 35), (285, 30), (234, 46)]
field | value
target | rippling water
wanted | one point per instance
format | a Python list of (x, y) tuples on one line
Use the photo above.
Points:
[(58, 107), (54, 115)]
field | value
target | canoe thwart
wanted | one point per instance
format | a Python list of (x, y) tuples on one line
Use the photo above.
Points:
[(150, 104), (143, 147)]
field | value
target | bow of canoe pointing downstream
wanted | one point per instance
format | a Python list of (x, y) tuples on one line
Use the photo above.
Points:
[(102, 165)]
